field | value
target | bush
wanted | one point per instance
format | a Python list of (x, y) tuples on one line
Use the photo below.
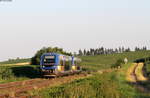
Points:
[(6, 73), (36, 59), (118, 63)]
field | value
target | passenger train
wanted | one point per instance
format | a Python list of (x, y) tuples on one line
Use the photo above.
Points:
[(54, 64)]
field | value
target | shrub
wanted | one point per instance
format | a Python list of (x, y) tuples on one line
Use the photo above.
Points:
[(6, 73), (118, 63)]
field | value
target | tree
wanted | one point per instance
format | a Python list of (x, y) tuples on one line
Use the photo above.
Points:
[(80, 53), (102, 50), (88, 52), (136, 49), (116, 50), (35, 60), (75, 54), (120, 50), (127, 50), (118, 63), (144, 48), (84, 52), (91, 51)]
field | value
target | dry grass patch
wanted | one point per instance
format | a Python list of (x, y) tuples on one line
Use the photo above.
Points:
[(139, 72), (130, 73), (18, 64)]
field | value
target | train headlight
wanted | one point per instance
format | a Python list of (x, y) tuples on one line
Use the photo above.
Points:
[(59, 68), (74, 68)]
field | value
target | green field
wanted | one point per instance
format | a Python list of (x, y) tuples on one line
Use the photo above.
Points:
[(107, 85), (10, 73), (18, 73), (14, 61), (105, 61)]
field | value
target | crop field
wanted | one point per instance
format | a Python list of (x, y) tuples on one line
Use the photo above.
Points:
[(106, 61), (14, 61), (111, 84), (107, 85)]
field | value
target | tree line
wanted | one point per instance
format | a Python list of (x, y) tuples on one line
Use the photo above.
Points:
[(35, 60), (102, 50)]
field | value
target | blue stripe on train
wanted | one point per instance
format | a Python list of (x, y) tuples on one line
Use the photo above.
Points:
[(49, 68)]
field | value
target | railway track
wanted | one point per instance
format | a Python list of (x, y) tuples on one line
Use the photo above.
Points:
[(21, 88), (14, 84)]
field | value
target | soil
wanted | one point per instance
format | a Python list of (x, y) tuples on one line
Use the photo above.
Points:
[(138, 84), (21, 89), (25, 63)]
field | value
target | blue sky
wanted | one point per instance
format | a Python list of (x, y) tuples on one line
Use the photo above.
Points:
[(28, 25)]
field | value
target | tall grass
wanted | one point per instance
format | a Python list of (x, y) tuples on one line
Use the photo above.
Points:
[(17, 73), (6, 73), (94, 87), (148, 69), (107, 85)]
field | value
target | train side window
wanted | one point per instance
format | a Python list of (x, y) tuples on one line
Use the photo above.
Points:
[(64, 62), (61, 62)]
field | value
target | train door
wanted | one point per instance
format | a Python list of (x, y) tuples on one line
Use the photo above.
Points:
[(77, 63), (67, 63), (61, 63)]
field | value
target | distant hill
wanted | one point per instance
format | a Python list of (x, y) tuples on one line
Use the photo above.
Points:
[(13, 61), (105, 61)]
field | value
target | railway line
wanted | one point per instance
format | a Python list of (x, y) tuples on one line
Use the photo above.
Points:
[(21, 88), (14, 84)]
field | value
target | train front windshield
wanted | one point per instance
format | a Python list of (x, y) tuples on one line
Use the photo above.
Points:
[(49, 60)]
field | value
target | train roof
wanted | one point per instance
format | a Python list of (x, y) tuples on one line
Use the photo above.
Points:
[(53, 53)]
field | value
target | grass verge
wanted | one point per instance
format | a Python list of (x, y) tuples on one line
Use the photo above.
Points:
[(106, 85)]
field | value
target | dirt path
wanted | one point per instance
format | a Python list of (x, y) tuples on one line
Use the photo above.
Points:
[(130, 74), (135, 76), (20, 89), (17, 64)]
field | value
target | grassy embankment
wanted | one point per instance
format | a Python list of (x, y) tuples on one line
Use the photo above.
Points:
[(11, 71), (146, 83), (106, 85), (148, 69)]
